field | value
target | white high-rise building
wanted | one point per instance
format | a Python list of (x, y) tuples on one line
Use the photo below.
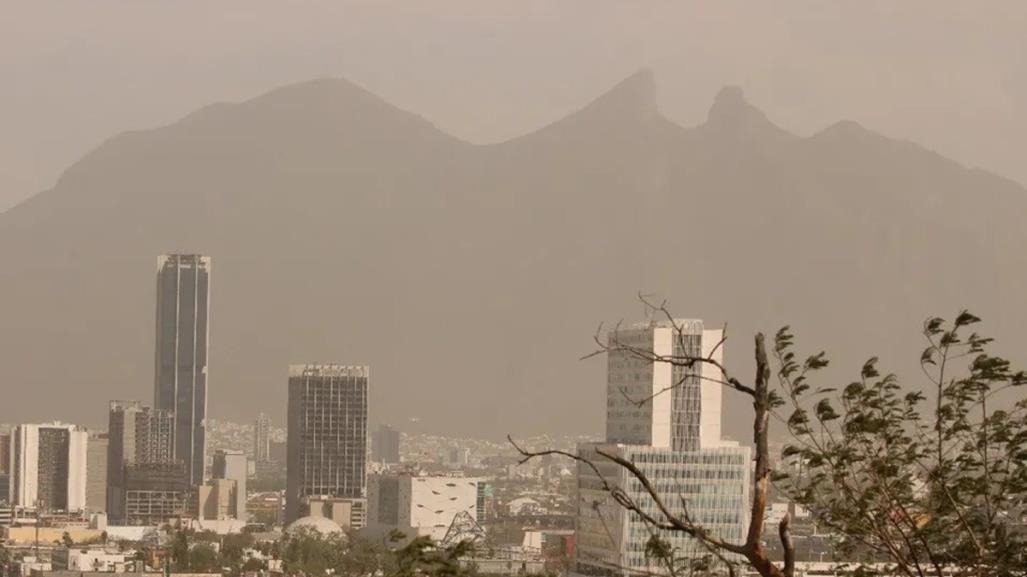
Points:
[(49, 467), (665, 419), (683, 411)]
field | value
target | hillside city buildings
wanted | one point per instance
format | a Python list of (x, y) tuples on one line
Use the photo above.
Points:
[(156, 466)]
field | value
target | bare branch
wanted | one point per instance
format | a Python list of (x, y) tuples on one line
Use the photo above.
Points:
[(784, 532)]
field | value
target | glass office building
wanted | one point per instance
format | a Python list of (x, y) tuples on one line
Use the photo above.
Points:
[(183, 329), (666, 420)]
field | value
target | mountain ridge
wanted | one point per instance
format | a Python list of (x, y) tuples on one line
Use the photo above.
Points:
[(729, 107), (473, 275)]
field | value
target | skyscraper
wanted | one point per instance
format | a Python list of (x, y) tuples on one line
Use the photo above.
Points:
[(262, 438), (183, 305), (666, 420), (48, 467), (327, 434)]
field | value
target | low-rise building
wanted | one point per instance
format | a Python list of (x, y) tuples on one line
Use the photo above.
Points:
[(91, 559), (348, 513), (422, 505)]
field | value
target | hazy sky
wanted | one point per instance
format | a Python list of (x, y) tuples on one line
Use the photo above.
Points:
[(950, 75)]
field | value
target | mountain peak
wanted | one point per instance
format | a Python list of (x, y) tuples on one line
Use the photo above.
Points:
[(636, 93), (732, 113)]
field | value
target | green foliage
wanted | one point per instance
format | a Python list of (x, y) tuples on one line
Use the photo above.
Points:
[(203, 559), (929, 482), (203, 551), (5, 559), (314, 554), (422, 557), (232, 548), (660, 550)]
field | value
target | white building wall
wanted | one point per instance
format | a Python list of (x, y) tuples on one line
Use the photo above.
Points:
[(662, 380), (24, 466), (711, 392), (426, 505), (435, 501), (94, 560), (78, 450)]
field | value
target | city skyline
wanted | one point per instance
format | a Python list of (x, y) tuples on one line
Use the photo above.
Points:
[(650, 289)]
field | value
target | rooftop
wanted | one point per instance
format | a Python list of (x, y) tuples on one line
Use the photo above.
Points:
[(328, 370)]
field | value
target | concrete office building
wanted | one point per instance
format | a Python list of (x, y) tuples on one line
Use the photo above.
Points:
[(385, 445), (344, 512), (422, 505), (96, 472), (48, 467), (674, 438), (137, 435), (183, 330), (217, 500), (232, 466), (327, 435), (156, 493)]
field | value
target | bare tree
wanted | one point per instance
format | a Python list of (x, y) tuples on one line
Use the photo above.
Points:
[(763, 401)]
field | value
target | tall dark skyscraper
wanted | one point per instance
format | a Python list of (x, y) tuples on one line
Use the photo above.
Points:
[(327, 437), (183, 305)]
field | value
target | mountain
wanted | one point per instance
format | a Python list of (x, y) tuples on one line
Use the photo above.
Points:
[(470, 277)]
